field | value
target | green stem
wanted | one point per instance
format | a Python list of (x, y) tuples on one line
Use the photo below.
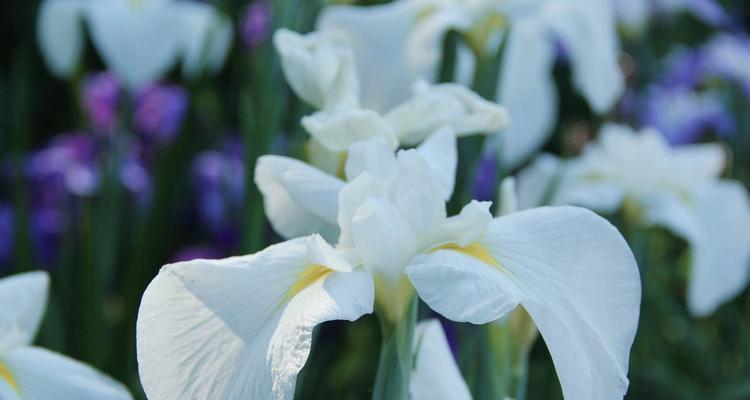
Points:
[(396, 362)]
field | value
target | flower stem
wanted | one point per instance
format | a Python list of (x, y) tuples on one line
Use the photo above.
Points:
[(396, 361)]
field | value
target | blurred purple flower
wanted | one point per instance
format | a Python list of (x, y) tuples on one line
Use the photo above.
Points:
[(728, 56), (255, 24), (47, 225), (66, 166), (684, 116), (219, 183), (6, 234), (100, 96), (159, 111), (708, 11), (684, 67), (485, 179)]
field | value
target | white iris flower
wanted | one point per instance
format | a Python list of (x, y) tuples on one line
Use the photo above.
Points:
[(321, 69), (139, 40), (241, 327), (676, 188), (28, 372), (410, 49)]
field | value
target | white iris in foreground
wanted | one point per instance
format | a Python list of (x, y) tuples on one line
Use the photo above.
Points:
[(241, 327), (139, 40), (33, 373), (676, 188)]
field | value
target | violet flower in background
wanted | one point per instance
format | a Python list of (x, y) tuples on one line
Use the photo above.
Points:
[(684, 115), (47, 225), (159, 111), (100, 97), (684, 67), (66, 166), (6, 234), (136, 178), (728, 56), (219, 185), (485, 179), (255, 24)]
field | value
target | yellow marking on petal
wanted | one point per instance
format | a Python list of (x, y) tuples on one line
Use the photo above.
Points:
[(475, 250), (8, 377), (307, 277)]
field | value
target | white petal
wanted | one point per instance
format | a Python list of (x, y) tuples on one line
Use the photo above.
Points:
[(240, 327), (382, 57), (701, 160), (417, 192), (527, 90), (535, 182), (673, 212), (436, 375), (721, 256), (383, 239), (374, 156), (351, 198), (60, 35), (23, 298), (446, 104), (587, 30), (337, 130), (574, 274), (285, 184), (508, 196), (140, 43), (462, 229), (45, 375), (319, 67), (439, 150), (206, 36)]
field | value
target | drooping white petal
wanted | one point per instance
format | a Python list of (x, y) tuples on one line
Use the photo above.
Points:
[(439, 150), (337, 130), (139, 42), (721, 255), (587, 30), (8, 392), (59, 30), (240, 327), (319, 67), (23, 298), (701, 160), (436, 375), (206, 37), (382, 54), (446, 104), (671, 211), (298, 199), (41, 374), (569, 268), (527, 90)]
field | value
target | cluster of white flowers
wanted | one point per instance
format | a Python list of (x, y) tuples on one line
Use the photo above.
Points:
[(242, 327)]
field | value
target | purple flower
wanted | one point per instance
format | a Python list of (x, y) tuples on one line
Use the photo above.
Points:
[(684, 115), (219, 183), (684, 67), (255, 24), (159, 110), (485, 179), (100, 96), (66, 166), (728, 56), (708, 11), (47, 225), (6, 234)]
